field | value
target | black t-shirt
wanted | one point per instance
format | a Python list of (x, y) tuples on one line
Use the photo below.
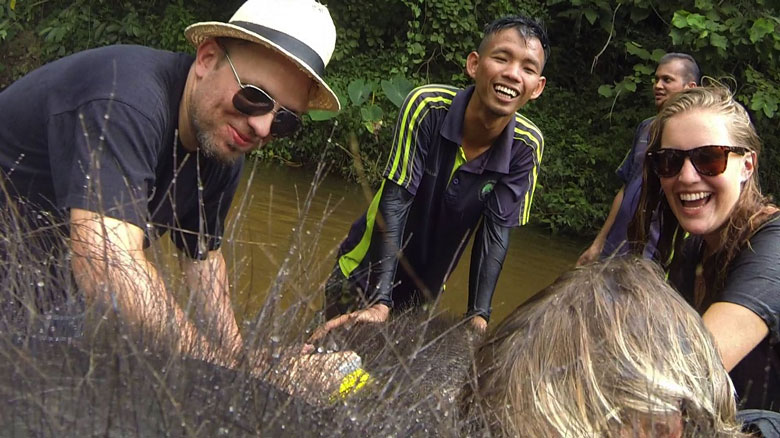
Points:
[(97, 130), (753, 282)]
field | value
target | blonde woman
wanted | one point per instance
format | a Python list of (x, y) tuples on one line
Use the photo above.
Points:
[(608, 350), (720, 237)]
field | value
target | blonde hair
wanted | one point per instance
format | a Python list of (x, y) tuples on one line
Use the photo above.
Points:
[(604, 348), (749, 213)]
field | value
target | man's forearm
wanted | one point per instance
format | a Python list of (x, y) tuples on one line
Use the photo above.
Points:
[(386, 240), (210, 305), (610, 220), (491, 244), (111, 268), (593, 252)]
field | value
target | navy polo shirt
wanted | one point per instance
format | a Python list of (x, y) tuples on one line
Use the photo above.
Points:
[(630, 173), (447, 205)]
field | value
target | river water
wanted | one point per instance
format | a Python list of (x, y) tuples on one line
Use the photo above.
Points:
[(265, 224)]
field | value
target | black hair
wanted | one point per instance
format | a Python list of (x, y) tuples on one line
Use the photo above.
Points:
[(525, 26), (691, 67)]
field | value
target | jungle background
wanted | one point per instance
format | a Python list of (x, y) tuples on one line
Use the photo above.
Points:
[(599, 76)]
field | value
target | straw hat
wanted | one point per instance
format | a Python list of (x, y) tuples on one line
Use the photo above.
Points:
[(301, 30)]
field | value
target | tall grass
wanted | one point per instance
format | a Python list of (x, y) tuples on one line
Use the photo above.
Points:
[(68, 369)]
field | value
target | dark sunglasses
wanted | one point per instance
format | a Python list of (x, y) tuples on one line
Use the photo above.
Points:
[(709, 160), (254, 101)]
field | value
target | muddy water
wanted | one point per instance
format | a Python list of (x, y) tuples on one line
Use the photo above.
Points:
[(262, 229)]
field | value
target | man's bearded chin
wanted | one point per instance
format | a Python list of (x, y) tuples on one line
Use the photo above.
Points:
[(209, 147)]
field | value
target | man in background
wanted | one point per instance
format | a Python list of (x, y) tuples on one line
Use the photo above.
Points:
[(675, 72)]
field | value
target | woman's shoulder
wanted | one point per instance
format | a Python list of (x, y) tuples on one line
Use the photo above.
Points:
[(753, 279), (768, 226), (762, 246)]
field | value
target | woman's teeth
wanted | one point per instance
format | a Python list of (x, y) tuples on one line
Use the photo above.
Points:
[(693, 196), (694, 200)]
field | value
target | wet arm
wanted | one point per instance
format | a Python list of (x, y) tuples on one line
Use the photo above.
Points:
[(487, 258), (386, 241), (211, 307), (394, 205), (110, 266), (594, 250), (735, 329), (747, 308)]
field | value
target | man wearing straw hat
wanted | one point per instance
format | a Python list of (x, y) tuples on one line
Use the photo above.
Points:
[(110, 147)]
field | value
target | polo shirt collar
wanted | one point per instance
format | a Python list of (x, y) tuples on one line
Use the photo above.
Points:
[(452, 128), (497, 159)]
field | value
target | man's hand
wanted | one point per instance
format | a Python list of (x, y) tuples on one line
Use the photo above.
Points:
[(313, 377), (375, 313), (478, 323), (591, 254)]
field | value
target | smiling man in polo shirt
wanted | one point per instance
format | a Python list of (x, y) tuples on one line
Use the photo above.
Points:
[(462, 160)]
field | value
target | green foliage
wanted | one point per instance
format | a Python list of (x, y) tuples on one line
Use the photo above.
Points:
[(603, 52), (362, 95), (766, 95), (321, 115), (745, 35), (12, 19), (169, 31), (735, 39), (396, 89), (582, 149), (359, 91)]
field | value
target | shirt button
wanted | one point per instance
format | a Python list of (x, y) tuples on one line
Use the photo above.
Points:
[(455, 181)]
